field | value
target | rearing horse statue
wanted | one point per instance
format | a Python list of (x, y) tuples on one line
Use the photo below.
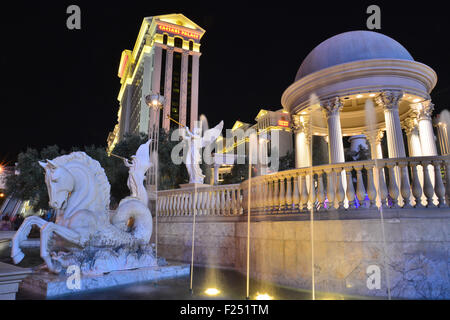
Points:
[(80, 192)]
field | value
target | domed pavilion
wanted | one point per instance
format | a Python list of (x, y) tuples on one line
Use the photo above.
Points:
[(342, 76)]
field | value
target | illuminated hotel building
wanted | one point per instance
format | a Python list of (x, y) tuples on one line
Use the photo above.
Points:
[(165, 60), (266, 123)]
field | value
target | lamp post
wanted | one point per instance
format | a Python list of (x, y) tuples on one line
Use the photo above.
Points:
[(155, 103)]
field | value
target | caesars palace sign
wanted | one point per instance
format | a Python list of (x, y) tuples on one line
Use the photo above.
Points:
[(178, 31)]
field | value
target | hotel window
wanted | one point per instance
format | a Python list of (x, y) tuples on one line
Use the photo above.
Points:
[(178, 43), (191, 45), (165, 39), (189, 91), (175, 99)]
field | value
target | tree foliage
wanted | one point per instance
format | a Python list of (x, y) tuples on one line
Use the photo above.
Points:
[(29, 183)]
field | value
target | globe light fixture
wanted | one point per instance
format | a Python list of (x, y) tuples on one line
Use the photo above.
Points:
[(155, 100)]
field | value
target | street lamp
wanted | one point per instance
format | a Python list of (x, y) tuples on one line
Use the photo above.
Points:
[(155, 102)]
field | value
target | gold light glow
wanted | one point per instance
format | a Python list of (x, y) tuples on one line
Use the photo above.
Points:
[(212, 291), (263, 296), (372, 95), (416, 100), (359, 96)]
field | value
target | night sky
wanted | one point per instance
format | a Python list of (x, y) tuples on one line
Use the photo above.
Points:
[(60, 86)]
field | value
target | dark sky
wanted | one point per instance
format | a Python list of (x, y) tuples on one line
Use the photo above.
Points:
[(60, 86)]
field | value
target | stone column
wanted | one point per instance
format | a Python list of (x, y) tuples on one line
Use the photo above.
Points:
[(302, 141), (183, 89), (194, 89), (443, 136), (168, 88), (415, 148), (427, 140), (332, 108), (389, 100), (374, 139), (156, 81), (412, 134)]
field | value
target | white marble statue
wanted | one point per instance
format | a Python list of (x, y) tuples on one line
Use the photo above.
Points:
[(139, 165), (99, 240), (195, 142)]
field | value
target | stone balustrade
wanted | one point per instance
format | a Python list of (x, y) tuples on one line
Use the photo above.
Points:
[(223, 200), (386, 183), (381, 183)]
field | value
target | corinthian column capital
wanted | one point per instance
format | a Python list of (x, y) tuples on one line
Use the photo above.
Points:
[(424, 110), (302, 124), (389, 99), (410, 125), (332, 106)]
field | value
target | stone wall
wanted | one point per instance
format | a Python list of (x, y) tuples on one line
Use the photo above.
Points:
[(416, 264)]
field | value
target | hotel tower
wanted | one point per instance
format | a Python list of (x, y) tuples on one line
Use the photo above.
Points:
[(164, 60)]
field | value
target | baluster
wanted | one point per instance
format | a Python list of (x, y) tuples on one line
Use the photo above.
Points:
[(165, 205), (233, 201), (382, 188), (269, 195), (256, 194), (199, 202), (160, 205), (360, 190), (276, 193), (244, 202), (296, 194), (265, 194), (393, 188), (222, 202), (340, 193), (205, 198), (371, 189), (447, 182), (288, 193), (416, 187), (330, 188), (212, 203), (320, 190), (182, 195), (350, 188), (169, 205), (227, 202), (312, 192), (177, 204), (405, 187), (439, 188), (427, 185), (239, 197), (282, 197), (304, 192), (218, 202)]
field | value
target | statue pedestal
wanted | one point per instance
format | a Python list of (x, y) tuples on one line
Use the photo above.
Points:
[(10, 277), (42, 284), (194, 185)]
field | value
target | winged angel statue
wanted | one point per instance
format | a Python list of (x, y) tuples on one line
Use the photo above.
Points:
[(195, 142)]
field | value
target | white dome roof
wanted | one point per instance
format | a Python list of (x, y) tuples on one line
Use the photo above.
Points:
[(351, 46)]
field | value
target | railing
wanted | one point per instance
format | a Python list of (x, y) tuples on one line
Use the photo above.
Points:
[(388, 183), (393, 183), (224, 200)]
